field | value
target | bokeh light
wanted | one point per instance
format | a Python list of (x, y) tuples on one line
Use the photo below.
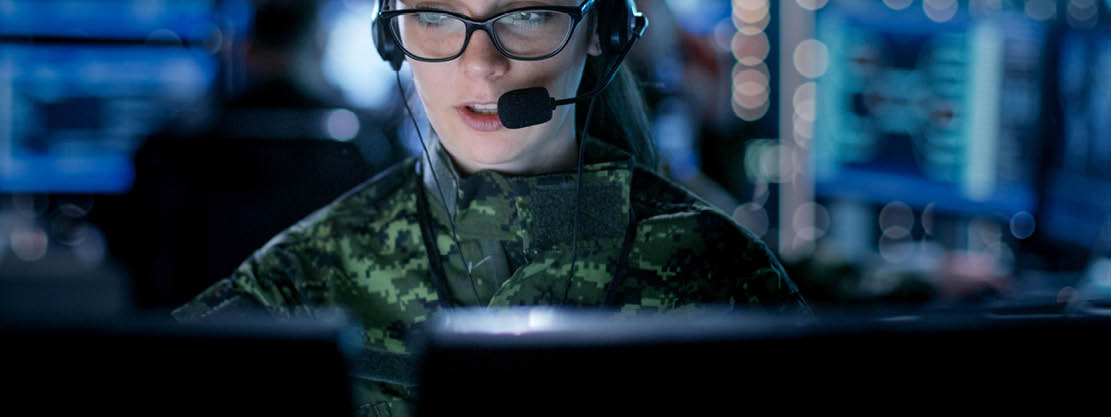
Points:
[(805, 100), (751, 91), (762, 161), (93, 249), (811, 221), (803, 129), (812, 4), (68, 231), (898, 4), (341, 124), (28, 242), (811, 58), (753, 217), (751, 11), (1022, 225), (940, 10), (928, 219), (1041, 9), (983, 233), (75, 207), (750, 46), (751, 50), (896, 214), (895, 245), (1082, 14)]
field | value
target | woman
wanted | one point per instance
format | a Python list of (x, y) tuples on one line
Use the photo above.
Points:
[(488, 217)]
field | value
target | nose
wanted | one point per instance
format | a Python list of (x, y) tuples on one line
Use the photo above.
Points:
[(481, 59)]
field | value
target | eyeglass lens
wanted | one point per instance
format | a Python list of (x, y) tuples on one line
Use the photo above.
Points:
[(524, 34)]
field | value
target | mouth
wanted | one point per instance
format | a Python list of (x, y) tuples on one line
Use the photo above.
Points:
[(482, 117), (485, 108)]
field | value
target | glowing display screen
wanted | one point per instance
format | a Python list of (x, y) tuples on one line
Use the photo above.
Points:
[(78, 111), (110, 19), (1078, 194), (84, 82), (926, 113)]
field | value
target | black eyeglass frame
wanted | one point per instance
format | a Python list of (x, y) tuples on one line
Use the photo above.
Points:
[(576, 13)]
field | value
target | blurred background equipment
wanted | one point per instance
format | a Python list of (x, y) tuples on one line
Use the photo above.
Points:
[(183, 127), (212, 195), (81, 83), (909, 158), (897, 152), (924, 150)]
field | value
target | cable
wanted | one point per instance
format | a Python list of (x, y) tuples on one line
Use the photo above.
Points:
[(440, 190), (578, 199)]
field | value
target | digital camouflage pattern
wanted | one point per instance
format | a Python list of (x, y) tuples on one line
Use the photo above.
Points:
[(365, 252)]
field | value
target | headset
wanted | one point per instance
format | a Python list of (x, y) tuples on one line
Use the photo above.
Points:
[(619, 26)]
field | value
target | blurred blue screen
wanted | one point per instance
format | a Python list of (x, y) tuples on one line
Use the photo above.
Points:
[(1078, 190), (82, 87), (108, 19), (924, 112), (77, 112)]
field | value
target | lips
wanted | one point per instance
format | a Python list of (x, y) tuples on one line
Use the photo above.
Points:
[(482, 117)]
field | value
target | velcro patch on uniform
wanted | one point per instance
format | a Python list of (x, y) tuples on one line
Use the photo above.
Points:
[(601, 206)]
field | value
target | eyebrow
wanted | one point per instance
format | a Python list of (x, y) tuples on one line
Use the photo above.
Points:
[(431, 5), (502, 7)]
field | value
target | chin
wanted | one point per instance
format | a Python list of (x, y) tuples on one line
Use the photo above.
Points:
[(490, 150), (493, 155)]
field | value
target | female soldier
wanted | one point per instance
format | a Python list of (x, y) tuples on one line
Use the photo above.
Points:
[(493, 216)]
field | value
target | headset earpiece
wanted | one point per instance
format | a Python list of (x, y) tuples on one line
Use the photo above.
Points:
[(617, 24), (384, 42)]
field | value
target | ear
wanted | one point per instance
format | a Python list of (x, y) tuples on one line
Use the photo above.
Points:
[(595, 47)]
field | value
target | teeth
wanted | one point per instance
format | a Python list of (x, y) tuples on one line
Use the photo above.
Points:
[(484, 108)]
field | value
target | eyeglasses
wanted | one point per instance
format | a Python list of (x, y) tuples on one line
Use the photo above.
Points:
[(525, 34)]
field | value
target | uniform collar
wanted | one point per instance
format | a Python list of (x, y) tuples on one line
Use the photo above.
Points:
[(536, 210)]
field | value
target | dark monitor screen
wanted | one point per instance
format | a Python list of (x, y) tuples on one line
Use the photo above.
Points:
[(554, 363), (151, 366), (923, 110)]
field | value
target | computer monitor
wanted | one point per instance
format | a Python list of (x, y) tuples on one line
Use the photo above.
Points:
[(83, 82), (1077, 194), (540, 361), (929, 109), (148, 365)]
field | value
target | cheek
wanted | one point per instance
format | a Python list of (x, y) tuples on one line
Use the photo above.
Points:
[(434, 86), (425, 79)]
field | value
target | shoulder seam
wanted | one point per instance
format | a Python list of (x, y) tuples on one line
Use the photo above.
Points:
[(680, 199)]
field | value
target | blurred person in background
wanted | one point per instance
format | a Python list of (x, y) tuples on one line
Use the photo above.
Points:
[(285, 92), (567, 212), (284, 146)]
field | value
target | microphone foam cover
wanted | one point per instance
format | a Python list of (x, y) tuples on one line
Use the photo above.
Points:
[(525, 107)]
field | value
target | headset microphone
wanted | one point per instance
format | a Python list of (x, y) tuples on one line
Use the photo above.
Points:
[(532, 106)]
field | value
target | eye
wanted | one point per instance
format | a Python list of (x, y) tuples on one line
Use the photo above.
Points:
[(528, 19), (431, 19)]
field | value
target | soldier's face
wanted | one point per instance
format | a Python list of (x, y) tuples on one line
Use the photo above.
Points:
[(460, 96)]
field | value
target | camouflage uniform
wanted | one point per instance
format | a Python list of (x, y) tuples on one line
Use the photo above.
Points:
[(644, 244)]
